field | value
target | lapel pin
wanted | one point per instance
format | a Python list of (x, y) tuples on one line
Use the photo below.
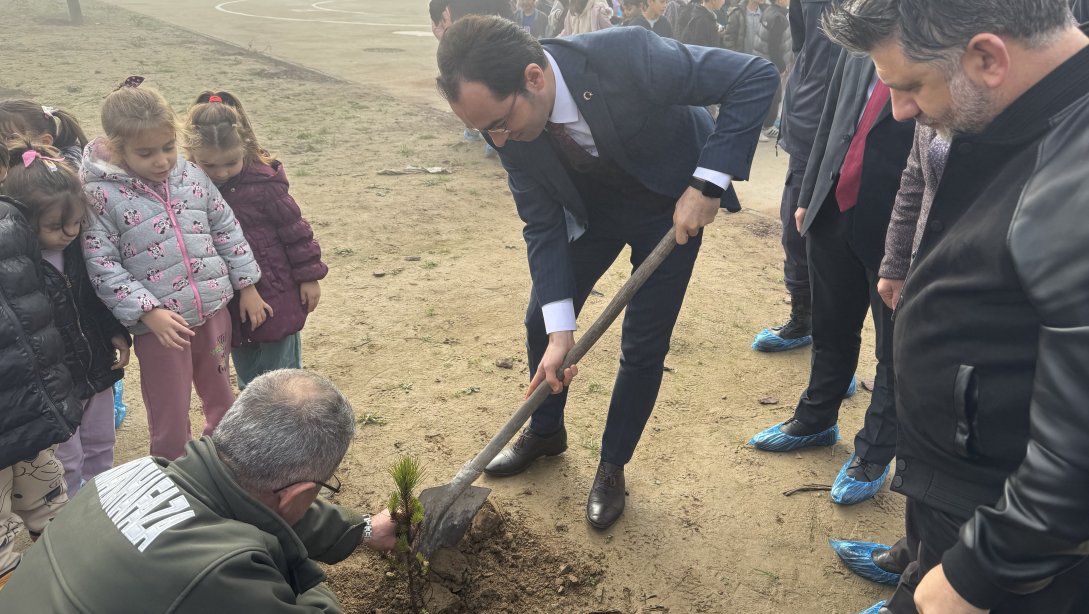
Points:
[(587, 95)]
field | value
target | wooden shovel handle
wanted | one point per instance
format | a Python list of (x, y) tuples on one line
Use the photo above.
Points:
[(471, 471)]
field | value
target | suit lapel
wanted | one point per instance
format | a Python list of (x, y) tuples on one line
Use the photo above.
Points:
[(589, 98)]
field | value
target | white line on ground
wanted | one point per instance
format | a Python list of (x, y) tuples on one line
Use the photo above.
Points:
[(222, 8)]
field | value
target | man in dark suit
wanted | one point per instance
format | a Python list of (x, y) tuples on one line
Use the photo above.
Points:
[(653, 18), (844, 207), (603, 152), (803, 101)]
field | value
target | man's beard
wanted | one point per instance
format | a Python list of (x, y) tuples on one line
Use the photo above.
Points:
[(971, 109)]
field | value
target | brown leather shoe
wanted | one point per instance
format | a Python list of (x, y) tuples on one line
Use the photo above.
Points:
[(527, 448), (606, 502)]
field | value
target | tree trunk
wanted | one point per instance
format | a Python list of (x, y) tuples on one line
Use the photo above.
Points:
[(75, 12)]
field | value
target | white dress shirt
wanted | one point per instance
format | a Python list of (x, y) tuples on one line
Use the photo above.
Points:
[(560, 315)]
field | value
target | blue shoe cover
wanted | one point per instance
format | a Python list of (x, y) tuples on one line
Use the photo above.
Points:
[(852, 389), (774, 440), (489, 151), (471, 135), (119, 407), (875, 608), (767, 341), (848, 491), (858, 557)]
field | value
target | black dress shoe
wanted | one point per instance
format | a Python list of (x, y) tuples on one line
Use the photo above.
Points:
[(606, 502), (863, 471), (794, 428), (884, 559), (527, 448)]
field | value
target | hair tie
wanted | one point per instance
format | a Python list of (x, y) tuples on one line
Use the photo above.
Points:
[(215, 98), (49, 111), (133, 81), (30, 155)]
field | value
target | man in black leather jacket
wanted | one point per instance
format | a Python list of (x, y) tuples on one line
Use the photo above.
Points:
[(992, 328)]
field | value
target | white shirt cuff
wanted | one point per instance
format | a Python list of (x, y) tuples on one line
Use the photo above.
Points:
[(559, 315), (722, 180)]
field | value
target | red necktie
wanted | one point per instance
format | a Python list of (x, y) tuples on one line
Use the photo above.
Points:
[(850, 175), (575, 154)]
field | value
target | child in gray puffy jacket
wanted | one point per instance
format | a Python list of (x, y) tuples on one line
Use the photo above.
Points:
[(165, 254)]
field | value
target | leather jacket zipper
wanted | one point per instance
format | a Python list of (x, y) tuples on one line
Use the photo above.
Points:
[(82, 335)]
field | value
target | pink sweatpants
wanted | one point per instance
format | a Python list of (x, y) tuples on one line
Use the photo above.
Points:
[(90, 451), (167, 377)]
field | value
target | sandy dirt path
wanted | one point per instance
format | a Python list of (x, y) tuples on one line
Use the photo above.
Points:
[(427, 290)]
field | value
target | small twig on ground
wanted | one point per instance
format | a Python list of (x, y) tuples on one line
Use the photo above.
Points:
[(807, 488)]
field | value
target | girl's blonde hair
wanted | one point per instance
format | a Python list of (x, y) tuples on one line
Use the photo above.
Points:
[(217, 121), (42, 181), (131, 111), (30, 119)]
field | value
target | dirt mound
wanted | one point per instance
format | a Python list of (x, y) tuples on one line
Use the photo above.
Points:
[(500, 566)]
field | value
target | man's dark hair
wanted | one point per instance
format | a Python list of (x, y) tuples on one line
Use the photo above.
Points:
[(488, 50), (939, 31), (436, 8)]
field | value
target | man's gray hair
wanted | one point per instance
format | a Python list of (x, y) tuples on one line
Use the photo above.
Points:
[(287, 426), (939, 30)]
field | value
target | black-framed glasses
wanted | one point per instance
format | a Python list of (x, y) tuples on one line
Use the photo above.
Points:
[(506, 118), (333, 488)]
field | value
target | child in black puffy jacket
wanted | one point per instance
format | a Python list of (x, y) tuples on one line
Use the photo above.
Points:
[(96, 344), (37, 407)]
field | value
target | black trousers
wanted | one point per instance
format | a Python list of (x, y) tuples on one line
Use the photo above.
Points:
[(795, 262), (843, 289), (648, 319), (931, 532)]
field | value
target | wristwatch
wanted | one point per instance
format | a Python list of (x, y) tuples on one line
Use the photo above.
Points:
[(707, 188), (366, 527)]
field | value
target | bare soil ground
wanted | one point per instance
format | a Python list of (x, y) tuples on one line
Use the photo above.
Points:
[(426, 292)]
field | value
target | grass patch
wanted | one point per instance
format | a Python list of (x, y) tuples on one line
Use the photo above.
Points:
[(369, 418), (592, 445)]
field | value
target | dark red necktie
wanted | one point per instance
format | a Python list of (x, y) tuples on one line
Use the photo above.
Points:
[(575, 154), (850, 175)]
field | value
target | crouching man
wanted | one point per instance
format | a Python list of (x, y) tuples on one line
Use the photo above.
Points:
[(235, 525)]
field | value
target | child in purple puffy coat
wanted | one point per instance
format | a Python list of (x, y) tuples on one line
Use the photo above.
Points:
[(219, 139)]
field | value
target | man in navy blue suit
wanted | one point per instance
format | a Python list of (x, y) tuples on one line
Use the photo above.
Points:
[(607, 143)]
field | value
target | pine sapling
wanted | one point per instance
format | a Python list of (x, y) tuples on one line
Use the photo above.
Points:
[(407, 514)]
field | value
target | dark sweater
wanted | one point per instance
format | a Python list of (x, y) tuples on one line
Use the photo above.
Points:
[(85, 324)]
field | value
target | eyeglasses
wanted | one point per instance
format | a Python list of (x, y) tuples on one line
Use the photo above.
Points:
[(333, 488), (506, 118)]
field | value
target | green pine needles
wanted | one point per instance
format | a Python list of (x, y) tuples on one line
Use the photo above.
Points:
[(407, 513)]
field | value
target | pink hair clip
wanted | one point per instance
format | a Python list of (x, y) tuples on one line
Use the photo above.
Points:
[(215, 98), (30, 155), (49, 111)]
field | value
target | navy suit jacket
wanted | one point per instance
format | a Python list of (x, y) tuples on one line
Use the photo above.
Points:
[(643, 98)]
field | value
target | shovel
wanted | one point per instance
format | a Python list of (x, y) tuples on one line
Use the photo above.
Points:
[(449, 509)]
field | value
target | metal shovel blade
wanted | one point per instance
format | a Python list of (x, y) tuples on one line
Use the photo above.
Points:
[(445, 529), (449, 509)]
